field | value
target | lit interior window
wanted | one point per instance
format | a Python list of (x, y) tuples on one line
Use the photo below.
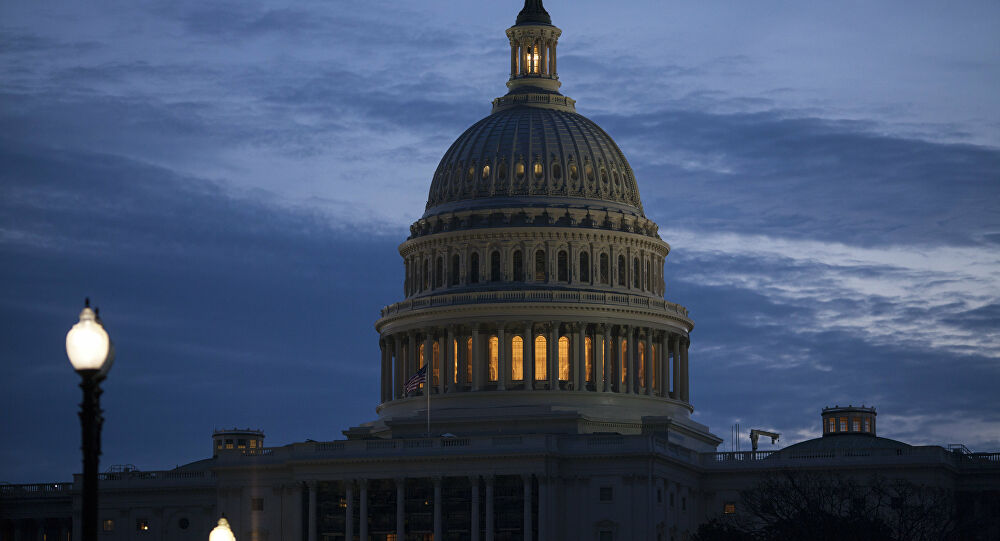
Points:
[(624, 370), (588, 346), (855, 425), (832, 425), (843, 424), (436, 359), (253, 444), (108, 525), (538, 170), (642, 364), (494, 346), (564, 358), (868, 425), (729, 508), (142, 525), (468, 360), (454, 372), (541, 366), (517, 358)]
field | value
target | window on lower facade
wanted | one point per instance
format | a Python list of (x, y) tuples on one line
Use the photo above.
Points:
[(256, 504), (108, 525), (684, 503), (607, 494), (142, 525), (729, 508)]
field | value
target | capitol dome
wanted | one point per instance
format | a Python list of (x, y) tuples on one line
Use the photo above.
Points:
[(533, 284)]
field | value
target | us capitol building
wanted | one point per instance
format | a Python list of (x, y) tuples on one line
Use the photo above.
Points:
[(557, 375)]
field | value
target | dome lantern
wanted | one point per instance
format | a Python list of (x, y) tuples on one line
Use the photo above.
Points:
[(533, 41)]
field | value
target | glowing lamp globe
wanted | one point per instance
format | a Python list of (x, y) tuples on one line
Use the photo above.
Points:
[(222, 532), (87, 343)]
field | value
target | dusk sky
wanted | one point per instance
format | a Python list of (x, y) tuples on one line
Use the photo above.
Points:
[(229, 182)]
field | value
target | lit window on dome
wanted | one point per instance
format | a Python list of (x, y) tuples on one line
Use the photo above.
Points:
[(604, 176), (614, 175), (556, 171), (541, 366), (517, 358), (471, 174), (574, 173), (519, 170), (486, 172), (538, 170), (502, 170), (589, 171)]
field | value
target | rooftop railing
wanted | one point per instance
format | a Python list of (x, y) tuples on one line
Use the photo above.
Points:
[(581, 297)]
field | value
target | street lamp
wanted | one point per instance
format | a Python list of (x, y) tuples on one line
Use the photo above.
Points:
[(91, 352), (222, 532)]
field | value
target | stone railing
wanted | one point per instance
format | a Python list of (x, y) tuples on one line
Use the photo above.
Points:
[(521, 296), (916, 454), (154, 475), (36, 489)]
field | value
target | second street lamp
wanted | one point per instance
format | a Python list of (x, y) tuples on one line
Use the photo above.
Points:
[(91, 353)]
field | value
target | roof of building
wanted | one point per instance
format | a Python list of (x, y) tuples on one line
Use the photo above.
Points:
[(533, 12), (842, 442), (494, 162)]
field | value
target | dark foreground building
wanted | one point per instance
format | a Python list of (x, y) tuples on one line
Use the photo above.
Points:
[(557, 373)]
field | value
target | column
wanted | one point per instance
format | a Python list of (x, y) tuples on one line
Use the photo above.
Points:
[(526, 480), (349, 523), (675, 346), (544, 52), (553, 61), (650, 359), (399, 378), (400, 508), (579, 354), (312, 510), (447, 360), (685, 381), (428, 359), (474, 512), (513, 60), (661, 367), (437, 508), (490, 528), (529, 356), (630, 348), (476, 360), (410, 366), (363, 493), (381, 364), (600, 339), (543, 508), (552, 357), (463, 361), (503, 367)]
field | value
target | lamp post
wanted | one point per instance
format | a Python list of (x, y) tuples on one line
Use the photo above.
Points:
[(91, 352)]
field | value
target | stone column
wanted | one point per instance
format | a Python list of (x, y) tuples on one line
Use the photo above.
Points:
[(438, 504), (400, 508), (349, 523), (675, 346), (411, 357), (503, 367), (382, 371), (474, 511), (513, 64), (490, 522), (463, 361), (529, 356), (553, 61), (543, 508), (579, 355), (312, 510), (553, 356), (685, 381), (398, 378), (448, 362), (543, 51), (628, 358), (648, 344), (476, 360), (600, 340), (526, 479), (363, 494)]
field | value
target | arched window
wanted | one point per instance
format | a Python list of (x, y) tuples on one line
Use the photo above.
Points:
[(562, 265), (518, 263), (621, 271), (427, 275), (495, 266), (454, 360), (454, 269), (635, 273), (474, 268), (649, 282), (624, 370), (574, 173), (519, 170), (584, 267), (436, 359), (486, 171), (494, 357), (642, 364), (421, 357), (538, 170), (564, 358), (605, 273), (439, 272), (541, 372), (517, 358), (540, 266), (468, 361), (556, 171), (588, 366)]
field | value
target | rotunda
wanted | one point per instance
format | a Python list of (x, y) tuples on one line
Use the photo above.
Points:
[(534, 280)]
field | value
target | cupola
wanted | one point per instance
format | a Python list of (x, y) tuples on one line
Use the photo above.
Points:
[(533, 41), (848, 420)]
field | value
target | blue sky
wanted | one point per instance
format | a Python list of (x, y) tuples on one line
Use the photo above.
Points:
[(229, 182)]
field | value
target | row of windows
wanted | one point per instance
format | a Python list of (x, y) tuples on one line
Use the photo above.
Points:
[(841, 425), (537, 171), (419, 276), (142, 524), (619, 365), (239, 444)]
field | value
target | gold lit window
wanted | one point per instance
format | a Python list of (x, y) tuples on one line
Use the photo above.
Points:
[(538, 170), (494, 358), (108, 525), (253, 444), (833, 425), (855, 425), (142, 525), (624, 371), (517, 358), (588, 346), (468, 360), (436, 359), (541, 366), (454, 372), (729, 508), (564, 358), (642, 364), (868, 425), (843, 424)]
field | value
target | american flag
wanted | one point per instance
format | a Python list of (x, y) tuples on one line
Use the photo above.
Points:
[(415, 380)]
